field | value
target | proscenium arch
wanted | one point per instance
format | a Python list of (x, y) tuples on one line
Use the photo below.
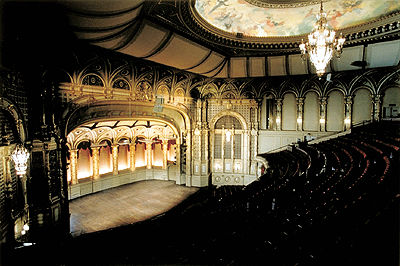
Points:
[(116, 138), (177, 117)]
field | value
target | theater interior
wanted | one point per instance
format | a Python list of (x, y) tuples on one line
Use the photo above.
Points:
[(199, 132)]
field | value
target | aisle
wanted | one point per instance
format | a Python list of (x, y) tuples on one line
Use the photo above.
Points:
[(125, 205)]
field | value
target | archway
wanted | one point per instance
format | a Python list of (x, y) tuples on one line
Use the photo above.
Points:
[(125, 151)]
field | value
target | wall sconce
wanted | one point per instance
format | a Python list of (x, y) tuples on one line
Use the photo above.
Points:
[(347, 121), (299, 120), (278, 120), (322, 120), (197, 132), (20, 157)]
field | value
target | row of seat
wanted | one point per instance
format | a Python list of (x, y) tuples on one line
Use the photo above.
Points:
[(331, 203)]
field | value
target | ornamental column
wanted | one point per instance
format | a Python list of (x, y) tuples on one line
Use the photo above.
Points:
[(115, 158), (132, 149), (165, 153), (178, 160), (376, 102), (148, 155), (348, 111), (300, 113), (322, 113), (73, 155), (95, 160), (278, 114)]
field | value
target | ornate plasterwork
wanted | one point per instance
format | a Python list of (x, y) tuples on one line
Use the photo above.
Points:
[(96, 135), (236, 16), (183, 17), (180, 89), (282, 3)]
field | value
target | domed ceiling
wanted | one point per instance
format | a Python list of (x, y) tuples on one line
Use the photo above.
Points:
[(263, 18), (176, 33)]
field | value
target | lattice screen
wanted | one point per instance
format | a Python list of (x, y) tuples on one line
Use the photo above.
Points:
[(217, 146), (228, 121), (237, 146)]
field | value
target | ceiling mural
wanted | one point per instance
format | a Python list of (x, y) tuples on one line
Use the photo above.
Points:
[(239, 16)]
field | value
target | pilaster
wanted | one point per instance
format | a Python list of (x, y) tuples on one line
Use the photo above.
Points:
[(278, 117), (114, 148), (95, 160), (148, 155), (348, 104), (322, 113), (165, 153), (300, 113), (73, 157), (376, 102), (132, 149)]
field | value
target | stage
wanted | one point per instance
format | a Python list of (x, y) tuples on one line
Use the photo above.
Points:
[(125, 205)]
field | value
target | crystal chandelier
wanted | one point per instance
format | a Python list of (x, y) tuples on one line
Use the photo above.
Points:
[(322, 44), (20, 157)]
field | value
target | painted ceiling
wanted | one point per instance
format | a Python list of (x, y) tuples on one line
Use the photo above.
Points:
[(239, 16)]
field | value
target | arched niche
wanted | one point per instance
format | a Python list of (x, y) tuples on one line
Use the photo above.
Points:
[(123, 153), (84, 163), (311, 112), (391, 103), (289, 112), (105, 158), (362, 106), (267, 111), (335, 111)]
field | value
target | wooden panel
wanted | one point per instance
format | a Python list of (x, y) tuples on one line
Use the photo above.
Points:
[(257, 66), (378, 55), (348, 56), (297, 66), (238, 67), (276, 66)]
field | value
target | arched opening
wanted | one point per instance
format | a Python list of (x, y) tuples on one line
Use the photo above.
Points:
[(132, 151), (391, 103), (335, 111), (105, 158), (362, 106), (84, 162), (228, 149), (123, 153)]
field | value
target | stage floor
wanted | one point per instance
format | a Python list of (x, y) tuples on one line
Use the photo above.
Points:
[(125, 205)]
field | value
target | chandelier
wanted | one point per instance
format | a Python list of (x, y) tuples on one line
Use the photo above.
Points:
[(20, 157), (322, 44)]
